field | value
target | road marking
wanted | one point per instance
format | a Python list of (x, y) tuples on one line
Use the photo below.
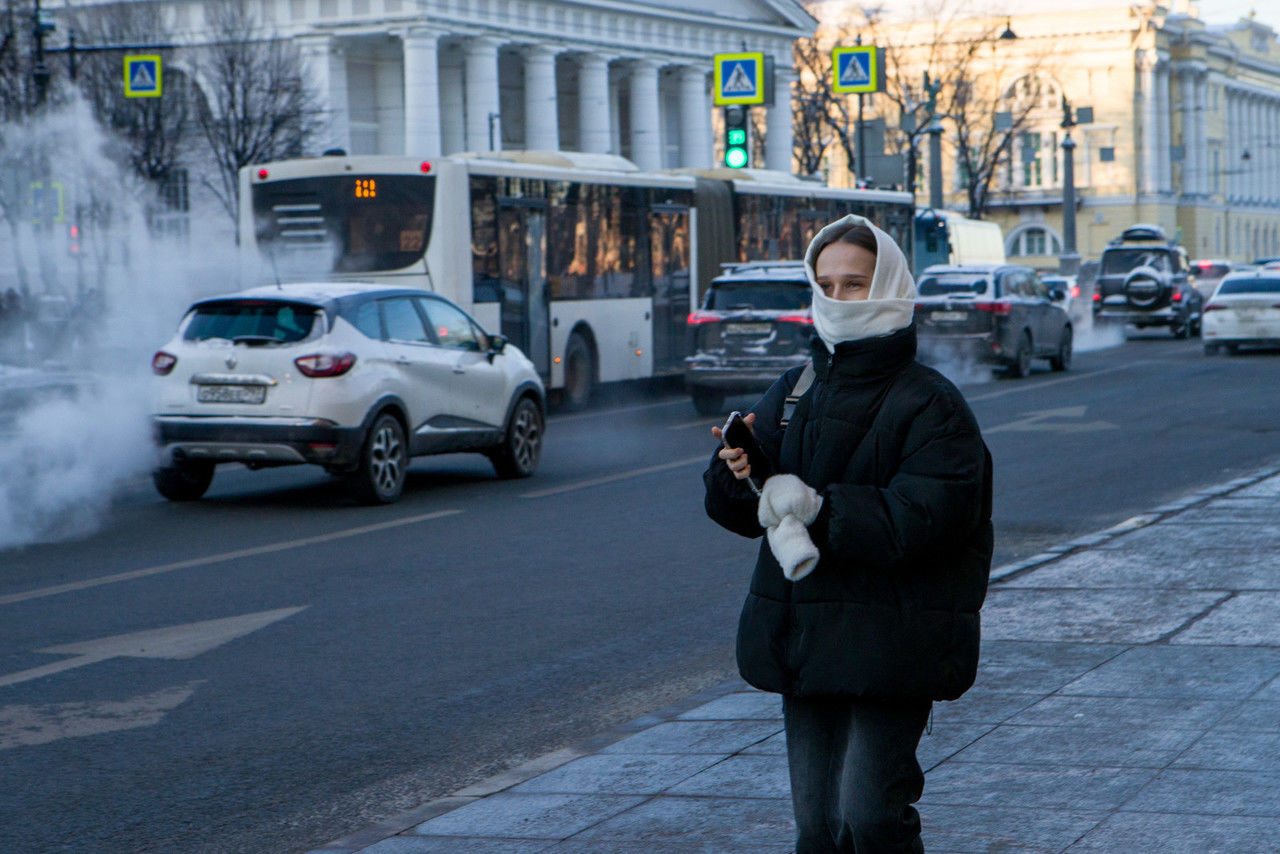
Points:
[(1047, 383), (1042, 421), (270, 548), (600, 481), (701, 422), (24, 725), (560, 419), (172, 642)]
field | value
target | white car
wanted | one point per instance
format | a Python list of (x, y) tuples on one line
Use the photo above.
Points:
[(353, 377), (1244, 310)]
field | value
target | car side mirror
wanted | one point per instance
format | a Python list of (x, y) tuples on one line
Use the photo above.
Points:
[(497, 343)]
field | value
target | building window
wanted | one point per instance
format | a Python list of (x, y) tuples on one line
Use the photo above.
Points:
[(1032, 174), (1035, 241)]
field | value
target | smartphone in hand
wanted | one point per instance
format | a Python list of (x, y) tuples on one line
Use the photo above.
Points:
[(736, 434)]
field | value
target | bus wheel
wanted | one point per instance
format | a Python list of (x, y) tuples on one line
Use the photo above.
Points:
[(579, 373)]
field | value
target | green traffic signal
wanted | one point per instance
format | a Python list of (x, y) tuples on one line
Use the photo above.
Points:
[(736, 155), (737, 137)]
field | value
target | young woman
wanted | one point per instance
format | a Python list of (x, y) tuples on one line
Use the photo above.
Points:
[(863, 607)]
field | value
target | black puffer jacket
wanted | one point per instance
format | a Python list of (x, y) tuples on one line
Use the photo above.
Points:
[(904, 534)]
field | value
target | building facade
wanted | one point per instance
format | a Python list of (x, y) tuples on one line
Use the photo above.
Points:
[(431, 77)]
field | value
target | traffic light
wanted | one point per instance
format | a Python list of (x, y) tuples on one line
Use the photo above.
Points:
[(736, 152)]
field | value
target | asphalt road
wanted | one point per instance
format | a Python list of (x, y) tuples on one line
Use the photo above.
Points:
[(347, 663)]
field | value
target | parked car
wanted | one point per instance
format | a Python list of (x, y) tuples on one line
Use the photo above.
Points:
[(998, 313), (754, 324), (356, 378), (1143, 279), (1243, 311), (1208, 272), (1076, 303)]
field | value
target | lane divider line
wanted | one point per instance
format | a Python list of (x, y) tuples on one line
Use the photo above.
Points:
[(560, 419), (613, 478), (1059, 381), (270, 548)]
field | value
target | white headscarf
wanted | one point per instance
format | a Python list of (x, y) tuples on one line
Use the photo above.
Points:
[(888, 307)]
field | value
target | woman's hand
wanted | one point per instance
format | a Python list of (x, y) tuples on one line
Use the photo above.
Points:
[(734, 458)]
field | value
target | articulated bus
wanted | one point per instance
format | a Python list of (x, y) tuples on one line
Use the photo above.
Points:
[(588, 265)]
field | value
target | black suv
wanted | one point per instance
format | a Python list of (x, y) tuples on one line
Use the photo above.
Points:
[(1144, 279), (997, 313), (753, 325)]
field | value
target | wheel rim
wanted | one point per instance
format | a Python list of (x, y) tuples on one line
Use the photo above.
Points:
[(386, 459), (526, 437)]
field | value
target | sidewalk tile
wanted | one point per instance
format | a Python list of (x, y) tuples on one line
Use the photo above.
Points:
[(1247, 619), (1174, 540), (619, 774), (1110, 568), (744, 705), (1033, 667), (1224, 511), (1181, 834), (729, 822), (1271, 691), (740, 777), (687, 846), (1211, 793), (1234, 751), (722, 737), (946, 741), (1252, 715), (456, 845), (527, 816), (1269, 488), (994, 785), (1083, 746), (981, 707), (1101, 616), (1012, 829), (771, 746), (1215, 673), (1141, 712)]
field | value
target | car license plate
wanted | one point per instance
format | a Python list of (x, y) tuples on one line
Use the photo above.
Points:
[(231, 394), (748, 328), (946, 316)]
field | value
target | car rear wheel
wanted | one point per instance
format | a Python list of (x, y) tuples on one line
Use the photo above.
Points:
[(183, 481), (707, 402), (1232, 349), (520, 450), (379, 477), (1062, 360), (579, 373), (1022, 358)]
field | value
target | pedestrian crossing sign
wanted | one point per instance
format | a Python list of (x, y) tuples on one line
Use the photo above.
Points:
[(739, 78), (142, 77), (857, 69)]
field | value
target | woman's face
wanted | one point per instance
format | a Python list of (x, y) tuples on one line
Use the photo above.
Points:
[(844, 271)]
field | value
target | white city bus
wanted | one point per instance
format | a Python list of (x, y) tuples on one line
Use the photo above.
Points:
[(586, 264)]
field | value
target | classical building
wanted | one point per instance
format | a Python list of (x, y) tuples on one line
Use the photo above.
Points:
[(430, 77), (1184, 131)]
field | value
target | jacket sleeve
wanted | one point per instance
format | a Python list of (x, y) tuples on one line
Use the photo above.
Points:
[(730, 502), (936, 496)]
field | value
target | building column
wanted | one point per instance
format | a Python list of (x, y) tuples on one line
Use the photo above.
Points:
[(695, 119), (422, 92), (482, 95), (1164, 138), (777, 140), (326, 67), (1199, 133), (453, 104), (646, 138), (1186, 78), (541, 109), (1255, 150), (1147, 177), (1231, 148), (594, 131)]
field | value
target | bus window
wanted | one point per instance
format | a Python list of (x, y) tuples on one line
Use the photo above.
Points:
[(486, 283)]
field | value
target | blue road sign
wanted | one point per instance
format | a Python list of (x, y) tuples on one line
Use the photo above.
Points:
[(857, 69), (739, 78), (142, 77)]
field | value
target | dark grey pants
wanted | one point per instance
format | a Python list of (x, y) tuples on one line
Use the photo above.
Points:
[(854, 774)]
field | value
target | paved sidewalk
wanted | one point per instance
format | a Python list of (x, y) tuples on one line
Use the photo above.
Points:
[(1128, 701)]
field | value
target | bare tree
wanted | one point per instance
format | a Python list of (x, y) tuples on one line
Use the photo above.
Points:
[(257, 104)]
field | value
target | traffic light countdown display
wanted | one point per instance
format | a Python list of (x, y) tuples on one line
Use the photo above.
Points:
[(736, 152)]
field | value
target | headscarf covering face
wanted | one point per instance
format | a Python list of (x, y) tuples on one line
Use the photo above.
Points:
[(889, 305)]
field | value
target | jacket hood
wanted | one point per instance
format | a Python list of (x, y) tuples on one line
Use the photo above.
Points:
[(890, 304)]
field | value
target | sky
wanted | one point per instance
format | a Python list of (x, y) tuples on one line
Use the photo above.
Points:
[(1230, 11)]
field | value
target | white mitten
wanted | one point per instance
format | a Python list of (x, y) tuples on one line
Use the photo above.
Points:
[(796, 553), (786, 494)]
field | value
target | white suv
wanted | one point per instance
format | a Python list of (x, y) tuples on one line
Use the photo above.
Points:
[(353, 377)]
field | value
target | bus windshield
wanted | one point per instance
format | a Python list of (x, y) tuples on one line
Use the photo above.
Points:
[(345, 223)]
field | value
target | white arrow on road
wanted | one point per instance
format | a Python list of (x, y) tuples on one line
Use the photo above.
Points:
[(184, 641), (1043, 421), (25, 726)]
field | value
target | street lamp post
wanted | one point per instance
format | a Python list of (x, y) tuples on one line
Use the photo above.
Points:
[(1069, 260)]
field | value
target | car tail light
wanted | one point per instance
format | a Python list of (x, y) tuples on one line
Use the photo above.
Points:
[(1097, 296), (702, 317), (997, 308), (325, 364), (162, 363), (796, 318), (1075, 291), (1177, 296)]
